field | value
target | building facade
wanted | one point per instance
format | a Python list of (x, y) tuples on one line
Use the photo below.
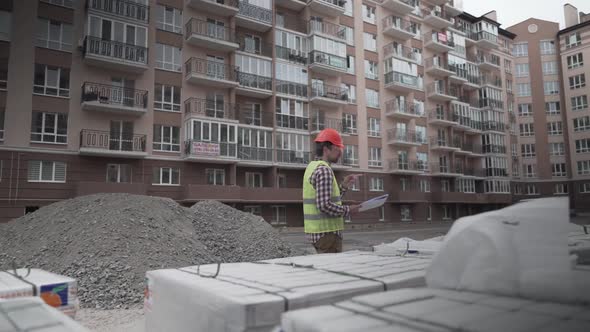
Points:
[(221, 99)]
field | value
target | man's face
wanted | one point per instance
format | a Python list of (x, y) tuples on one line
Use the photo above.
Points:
[(334, 153)]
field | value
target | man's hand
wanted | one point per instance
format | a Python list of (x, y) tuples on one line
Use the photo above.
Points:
[(354, 209), (349, 180)]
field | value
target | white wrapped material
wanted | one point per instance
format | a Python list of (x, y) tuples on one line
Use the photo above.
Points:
[(58, 291), (409, 246), (252, 296), (32, 314), (579, 243), (428, 310)]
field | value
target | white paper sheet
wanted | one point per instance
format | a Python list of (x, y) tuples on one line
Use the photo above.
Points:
[(373, 203)]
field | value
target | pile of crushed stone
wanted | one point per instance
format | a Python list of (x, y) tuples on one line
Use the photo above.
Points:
[(108, 241)]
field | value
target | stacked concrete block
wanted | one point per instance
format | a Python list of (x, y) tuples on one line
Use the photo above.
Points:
[(32, 314)]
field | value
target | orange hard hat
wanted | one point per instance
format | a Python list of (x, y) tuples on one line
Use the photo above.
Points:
[(330, 135)]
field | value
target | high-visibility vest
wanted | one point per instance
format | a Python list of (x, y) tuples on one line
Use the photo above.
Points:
[(314, 220)]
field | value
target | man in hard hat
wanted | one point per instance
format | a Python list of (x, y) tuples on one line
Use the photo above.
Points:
[(323, 212)]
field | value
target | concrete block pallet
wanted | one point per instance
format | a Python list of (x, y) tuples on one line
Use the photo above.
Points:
[(32, 314)]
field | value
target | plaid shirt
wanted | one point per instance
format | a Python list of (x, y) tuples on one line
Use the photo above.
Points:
[(321, 180)]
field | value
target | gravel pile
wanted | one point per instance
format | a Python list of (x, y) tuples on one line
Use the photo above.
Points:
[(108, 241)]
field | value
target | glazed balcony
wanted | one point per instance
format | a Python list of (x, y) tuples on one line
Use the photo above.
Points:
[(328, 95), (111, 98), (291, 55), (112, 144), (444, 170), (210, 36), (396, 109), (225, 8), (437, 67), (327, 29), (210, 73), (292, 121), (488, 62), (438, 42), (438, 91), (115, 55), (254, 86), (485, 39), (254, 154), (220, 152), (491, 80), (327, 64), (292, 88), (401, 52), (438, 19), (319, 123), (399, 28), (298, 159), (253, 17), (403, 83)]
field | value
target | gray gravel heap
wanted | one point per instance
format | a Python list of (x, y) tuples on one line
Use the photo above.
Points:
[(108, 241)]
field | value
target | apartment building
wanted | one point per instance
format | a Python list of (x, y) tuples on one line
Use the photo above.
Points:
[(221, 99)]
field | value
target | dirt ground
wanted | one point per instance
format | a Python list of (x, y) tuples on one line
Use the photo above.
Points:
[(129, 320)]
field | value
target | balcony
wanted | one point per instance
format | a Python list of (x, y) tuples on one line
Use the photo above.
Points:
[(491, 103), (293, 22), (488, 62), (319, 123), (477, 173), (250, 115), (291, 55), (218, 152), (327, 29), (224, 8), (110, 98), (123, 8), (327, 64), (402, 52), (210, 36), (402, 7), (330, 8), (413, 167), (253, 17), (210, 73), (398, 28), (197, 107), (395, 109), (200, 192), (115, 55), (438, 42), (493, 81), (254, 86), (441, 117), (410, 195), (494, 126), (292, 121), (407, 138), (294, 159), (328, 95), (438, 19), (403, 82), (459, 75), (454, 7), (254, 155), (460, 197), (485, 40), (84, 188), (251, 46), (112, 144), (437, 67), (444, 170), (296, 5), (438, 91), (442, 144), (292, 88)]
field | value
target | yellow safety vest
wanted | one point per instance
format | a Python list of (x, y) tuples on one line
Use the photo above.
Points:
[(314, 220)]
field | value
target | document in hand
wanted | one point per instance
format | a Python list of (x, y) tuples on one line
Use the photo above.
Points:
[(373, 203)]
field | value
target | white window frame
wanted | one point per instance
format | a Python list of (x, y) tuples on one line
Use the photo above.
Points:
[(405, 213), (577, 81), (547, 47), (583, 167), (579, 102), (382, 213), (527, 129), (166, 52), (375, 157), (522, 70), (349, 123), (162, 19), (529, 170), (424, 185), (46, 41), (551, 88), (554, 128), (164, 105), (250, 178), (54, 168), (369, 14), (349, 8), (560, 189), (216, 172), (350, 92), (59, 92), (575, 61), (376, 184), (531, 189), (351, 152), (552, 108), (374, 129), (520, 49), (556, 149), (573, 40), (279, 215), (528, 150), (582, 145), (581, 124), (523, 89), (585, 188), (166, 146), (170, 171), (549, 67), (370, 42), (54, 134), (120, 168), (558, 170), (372, 98), (525, 110), (371, 70), (350, 64)]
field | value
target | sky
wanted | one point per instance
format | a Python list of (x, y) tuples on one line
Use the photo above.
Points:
[(511, 12)]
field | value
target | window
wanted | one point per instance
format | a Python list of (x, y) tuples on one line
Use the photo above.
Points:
[(355, 186), (556, 149), (282, 180), (527, 129), (547, 47), (168, 57), (552, 108), (573, 40), (585, 188), (529, 171), (517, 189), (254, 180), (522, 70), (372, 98), (348, 7), (368, 14), (558, 170), (560, 189), (549, 67), (119, 173), (350, 64), (54, 34), (168, 19), (527, 150), (584, 167), (382, 213), (525, 110), (374, 127), (215, 176), (349, 35), (370, 42), (424, 185), (404, 184), (446, 215), (520, 49), (253, 209), (445, 186), (31, 209), (64, 3), (406, 213), (371, 70), (575, 61), (582, 124), (49, 127), (51, 81), (551, 88), (375, 157), (349, 123), (166, 176), (523, 89), (579, 103), (166, 98), (3, 73), (578, 81), (583, 145), (515, 169), (5, 25), (554, 128), (350, 92), (350, 155), (166, 138), (429, 213), (46, 171), (531, 189), (279, 215)]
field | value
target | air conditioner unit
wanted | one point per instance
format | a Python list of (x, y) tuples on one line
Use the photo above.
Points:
[(299, 154)]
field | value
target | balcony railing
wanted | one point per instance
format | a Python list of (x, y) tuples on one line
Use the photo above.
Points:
[(250, 45), (292, 121), (484, 35), (408, 136), (441, 168), (124, 8), (442, 114), (477, 172), (291, 88), (320, 123), (293, 157), (494, 126), (255, 154), (491, 80), (405, 165), (457, 92), (112, 141), (439, 37), (494, 148), (442, 15), (462, 120), (207, 29), (116, 50), (437, 88), (292, 55), (442, 142), (327, 28), (492, 103), (394, 106), (212, 69), (255, 12), (396, 49), (328, 91), (488, 58), (338, 3), (414, 82), (254, 81), (327, 59), (198, 148), (114, 95), (399, 23), (230, 3), (210, 108), (293, 22), (436, 62)]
